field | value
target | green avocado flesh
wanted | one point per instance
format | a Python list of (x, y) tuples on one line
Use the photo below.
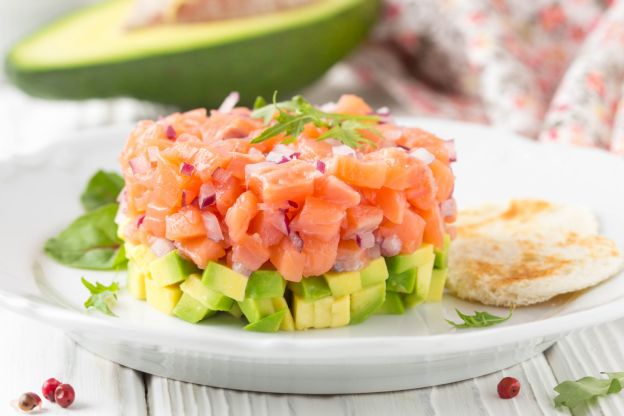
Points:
[(91, 53), (268, 303)]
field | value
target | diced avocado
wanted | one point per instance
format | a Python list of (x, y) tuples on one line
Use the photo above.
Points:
[(404, 262), (265, 284), (436, 289), (271, 323), (311, 288), (225, 280), (366, 302), (323, 312), (403, 282), (191, 310), (441, 256), (423, 281), (162, 298), (235, 311), (140, 254), (393, 305), (343, 283), (256, 309), (340, 311), (303, 311), (375, 272), (136, 281), (288, 324), (170, 269), (93, 53), (209, 298)]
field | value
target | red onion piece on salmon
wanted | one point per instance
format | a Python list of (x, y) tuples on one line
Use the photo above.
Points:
[(391, 246), (170, 132), (448, 208), (187, 169), (343, 150), (161, 246), (230, 102), (140, 165), (293, 204), (451, 150), (296, 241), (213, 228), (140, 220), (320, 166), (207, 196), (423, 155), (283, 224), (365, 240)]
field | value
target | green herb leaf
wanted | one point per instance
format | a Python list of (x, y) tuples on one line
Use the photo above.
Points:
[(478, 320), (102, 189), (587, 389), (90, 242), (293, 115), (103, 297)]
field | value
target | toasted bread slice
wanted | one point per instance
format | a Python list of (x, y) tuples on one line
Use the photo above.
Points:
[(527, 252)]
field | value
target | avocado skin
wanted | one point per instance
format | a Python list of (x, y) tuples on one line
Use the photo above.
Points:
[(283, 61)]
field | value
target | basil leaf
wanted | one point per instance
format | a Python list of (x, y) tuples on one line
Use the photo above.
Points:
[(478, 320), (583, 391), (103, 297), (90, 242), (102, 189)]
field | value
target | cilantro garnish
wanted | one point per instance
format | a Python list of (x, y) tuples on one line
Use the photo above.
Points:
[(478, 320), (103, 297)]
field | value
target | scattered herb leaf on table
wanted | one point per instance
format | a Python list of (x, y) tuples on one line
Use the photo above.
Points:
[(587, 389)]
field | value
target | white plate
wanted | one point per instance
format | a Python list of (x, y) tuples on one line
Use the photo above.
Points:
[(40, 196)]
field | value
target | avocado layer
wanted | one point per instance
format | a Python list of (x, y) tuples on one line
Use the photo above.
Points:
[(91, 54)]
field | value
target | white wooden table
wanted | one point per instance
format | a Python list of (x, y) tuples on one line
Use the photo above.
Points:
[(31, 352)]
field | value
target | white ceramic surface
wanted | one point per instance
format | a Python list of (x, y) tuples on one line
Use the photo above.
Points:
[(40, 194)]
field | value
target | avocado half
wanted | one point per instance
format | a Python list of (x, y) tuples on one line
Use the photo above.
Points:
[(91, 54)]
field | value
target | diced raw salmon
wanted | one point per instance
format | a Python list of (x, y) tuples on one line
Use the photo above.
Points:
[(434, 227), (349, 257), (414, 138), (320, 255), (270, 224), (332, 189), (352, 104), (240, 215), (292, 181), (362, 219), (444, 179), (184, 224), (288, 261), (393, 204), (250, 252), (364, 173), (318, 218), (200, 250), (410, 231)]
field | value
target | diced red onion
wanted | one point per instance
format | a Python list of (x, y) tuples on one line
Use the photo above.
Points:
[(284, 159), (255, 152), (213, 228), (230, 102), (283, 225), (295, 155), (293, 204), (280, 154), (403, 147), (161, 246), (153, 153), (365, 240), (187, 169), (207, 196), (391, 246), (140, 165), (140, 220), (320, 166), (296, 241), (448, 208), (423, 155), (240, 268), (373, 252), (383, 111), (170, 132), (451, 150), (343, 150), (329, 107)]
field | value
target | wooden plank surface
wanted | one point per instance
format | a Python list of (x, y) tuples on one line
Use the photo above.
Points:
[(31, 352)]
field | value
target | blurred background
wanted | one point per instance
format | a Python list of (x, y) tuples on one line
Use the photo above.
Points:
[(552, 70)]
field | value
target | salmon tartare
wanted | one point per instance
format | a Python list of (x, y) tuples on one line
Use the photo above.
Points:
[(289, 215)]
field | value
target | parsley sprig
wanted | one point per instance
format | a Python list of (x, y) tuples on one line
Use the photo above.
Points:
[(103, 297), (585, 390), (293, 115), (478, 320)]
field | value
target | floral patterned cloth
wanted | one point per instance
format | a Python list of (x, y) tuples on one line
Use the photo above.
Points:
[(549, 69)]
